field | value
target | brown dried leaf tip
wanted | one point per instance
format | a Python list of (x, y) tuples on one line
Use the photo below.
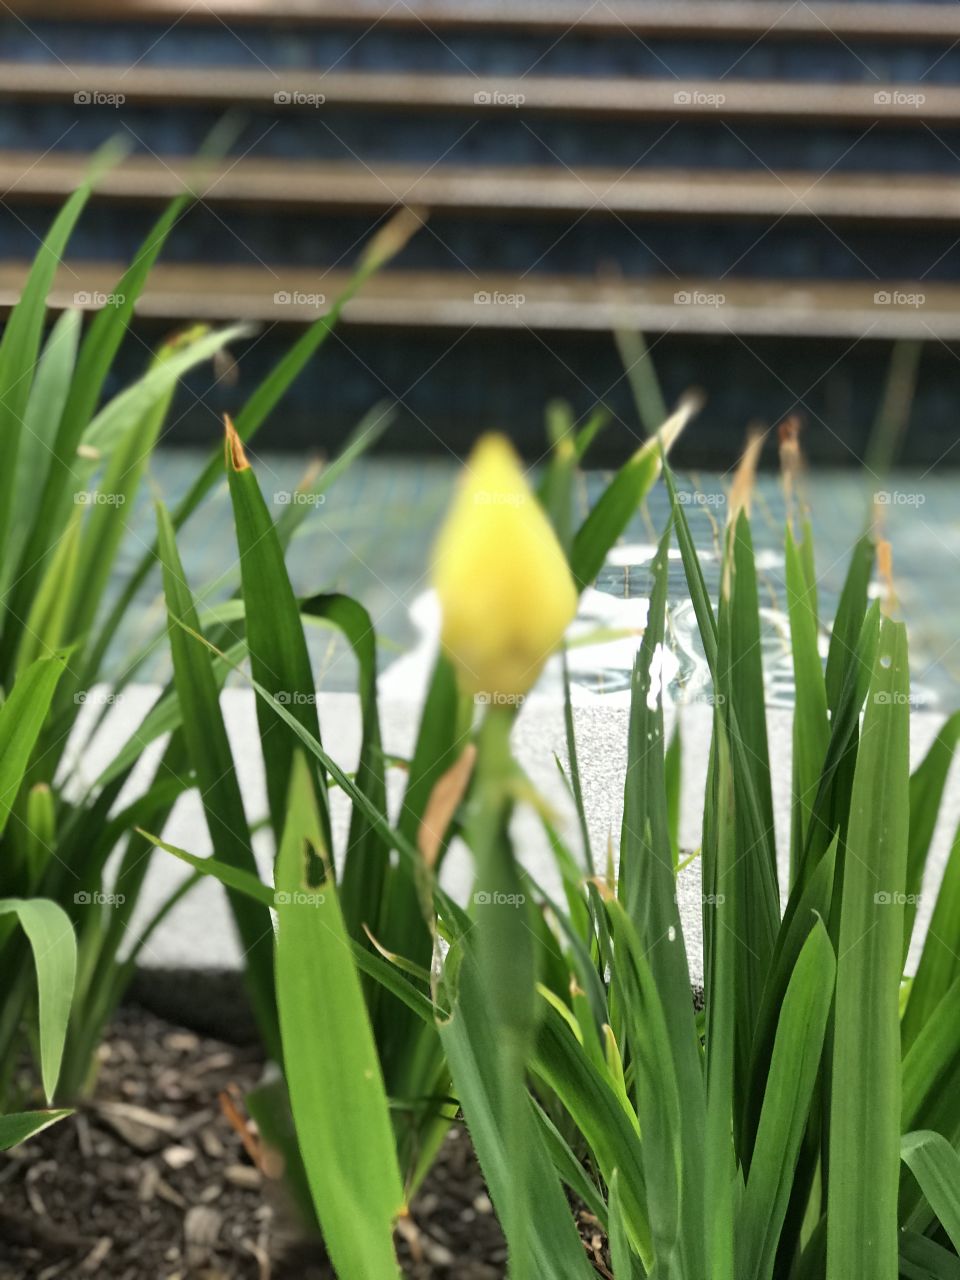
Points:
[(791, 458), (242, 1126), (393, 236), (448, 791), (741, 491), (885, 572), (234, 453)]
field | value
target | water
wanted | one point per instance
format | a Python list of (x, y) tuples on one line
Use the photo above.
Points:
[(372, 536)]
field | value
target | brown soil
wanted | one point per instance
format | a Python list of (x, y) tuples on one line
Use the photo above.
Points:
[(150, 1181)]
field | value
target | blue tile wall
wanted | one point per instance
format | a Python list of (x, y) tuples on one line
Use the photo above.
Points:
[(504, 379)]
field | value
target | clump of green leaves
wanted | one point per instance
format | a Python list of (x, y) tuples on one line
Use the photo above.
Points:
[(805, 1123), (73, 460), (367, 1066)]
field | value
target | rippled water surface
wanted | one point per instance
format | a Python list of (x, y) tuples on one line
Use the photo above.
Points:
[(372, 537)]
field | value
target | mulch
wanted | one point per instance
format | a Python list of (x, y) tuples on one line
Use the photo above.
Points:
[(151, 1180)]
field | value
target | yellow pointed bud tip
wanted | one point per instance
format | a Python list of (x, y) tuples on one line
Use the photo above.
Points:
[(504, 583), (236, 457)]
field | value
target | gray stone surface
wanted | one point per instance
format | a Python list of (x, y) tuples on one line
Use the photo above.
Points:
[(198, 934)]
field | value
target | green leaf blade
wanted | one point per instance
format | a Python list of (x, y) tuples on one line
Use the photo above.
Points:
[(210, 754), (793, 1074), (936, 1166), (275, 639), (21, 720), (866, 1089), (54, 946), (336, 1086), (17, 1126)]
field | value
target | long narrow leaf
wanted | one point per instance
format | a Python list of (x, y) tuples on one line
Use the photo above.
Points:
[(865, 1106), (932, 1064), (648, 891), (655, 1082), (939, 965), (17, 1126), (333, 1073), (600, 1118), (21, 339), (472, 1046), (923, 1259), (278, 648), (212, 759), (618, 503), (811, 726), (366, 865), (21, 719), (44, 409), (387, 242), (50, 934), (790, 1085), (936, 1166)]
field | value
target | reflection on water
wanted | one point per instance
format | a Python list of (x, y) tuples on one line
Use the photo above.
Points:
[(921, 519), (372, 538)]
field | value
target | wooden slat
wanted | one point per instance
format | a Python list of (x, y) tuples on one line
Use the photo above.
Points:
[(393, 91), (445, 300), (711, 19), (348, 185)]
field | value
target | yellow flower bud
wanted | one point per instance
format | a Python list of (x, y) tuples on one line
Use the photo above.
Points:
[(504, 583)]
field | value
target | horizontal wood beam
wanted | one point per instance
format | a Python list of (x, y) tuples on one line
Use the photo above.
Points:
[(178, 292), (337, 186), (111, 86), (699, 19)]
